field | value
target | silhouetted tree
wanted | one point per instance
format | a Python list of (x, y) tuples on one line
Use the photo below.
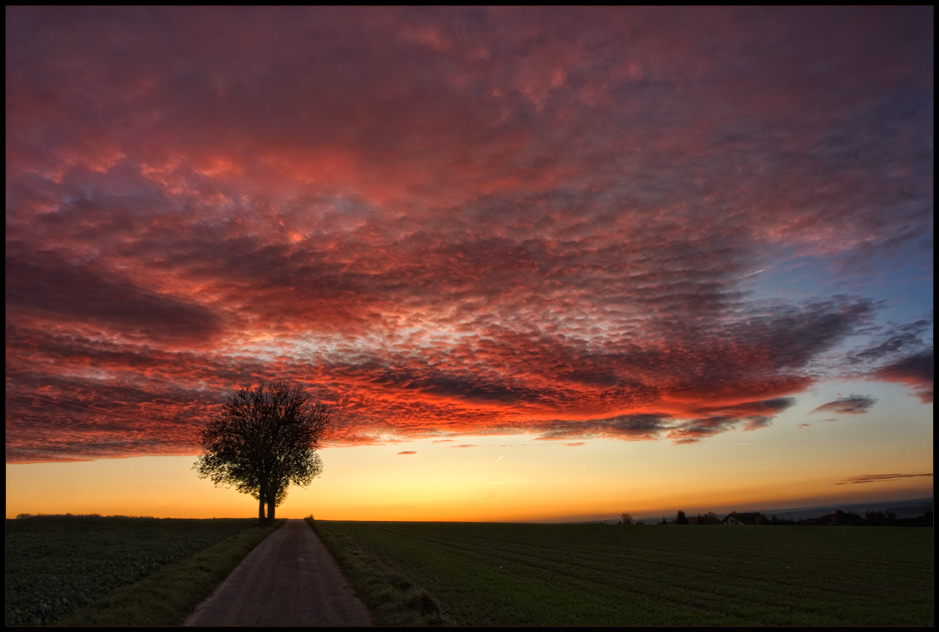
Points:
[(847, 519), (926, 520), (680, 518), (263, 441), (626, 519)]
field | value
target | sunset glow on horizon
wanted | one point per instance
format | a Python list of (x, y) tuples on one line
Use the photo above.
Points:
[(541, 264)]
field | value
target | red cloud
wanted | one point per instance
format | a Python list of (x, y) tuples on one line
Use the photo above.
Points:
[(448, 222)]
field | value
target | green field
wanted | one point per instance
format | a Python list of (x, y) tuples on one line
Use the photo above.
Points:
[(57, 565), (516, 574)]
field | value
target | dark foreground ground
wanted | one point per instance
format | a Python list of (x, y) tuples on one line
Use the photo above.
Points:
[(56, 565), (523, 574), (115, 570)]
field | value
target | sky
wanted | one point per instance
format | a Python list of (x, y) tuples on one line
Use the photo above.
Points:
[(539, 262)]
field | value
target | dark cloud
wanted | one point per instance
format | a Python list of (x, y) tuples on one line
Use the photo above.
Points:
[(917, 370), (645, 426), (677, 428), (43, 286), (876, 478), (901, 353), (452, 221), (768, 407), (851, 405), (898, 339)]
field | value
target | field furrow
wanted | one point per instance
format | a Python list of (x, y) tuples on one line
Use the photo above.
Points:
[(514, 574)]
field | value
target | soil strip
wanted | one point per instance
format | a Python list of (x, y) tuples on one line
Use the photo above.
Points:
[(289, 579)]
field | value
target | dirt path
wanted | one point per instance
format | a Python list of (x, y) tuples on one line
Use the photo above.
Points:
[(289, 579)]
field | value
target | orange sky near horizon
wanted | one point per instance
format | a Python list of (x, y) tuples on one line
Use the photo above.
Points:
[(519, 478)]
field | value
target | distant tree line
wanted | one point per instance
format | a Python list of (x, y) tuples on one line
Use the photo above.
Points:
[(839, 518), (24, 516)]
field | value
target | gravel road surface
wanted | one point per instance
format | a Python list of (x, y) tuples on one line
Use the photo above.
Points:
[(289, 579)]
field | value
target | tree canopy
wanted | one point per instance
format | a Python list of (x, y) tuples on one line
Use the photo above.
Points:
[(264, 440)]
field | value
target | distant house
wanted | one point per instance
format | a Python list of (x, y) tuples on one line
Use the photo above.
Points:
[(827, 519), (740, 519), (708, 518)]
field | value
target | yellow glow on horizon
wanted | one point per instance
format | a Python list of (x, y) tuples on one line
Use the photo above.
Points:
[(497, 479), (520, 478)]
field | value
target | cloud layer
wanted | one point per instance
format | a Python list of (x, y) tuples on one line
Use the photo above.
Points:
[(851, 405), (876, 478), (452, 221)]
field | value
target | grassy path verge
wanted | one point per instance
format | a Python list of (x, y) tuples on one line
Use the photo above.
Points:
[(392, 598), (515, 574)]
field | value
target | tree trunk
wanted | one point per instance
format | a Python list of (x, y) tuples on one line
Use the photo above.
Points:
[(271, 504), (262, 498)]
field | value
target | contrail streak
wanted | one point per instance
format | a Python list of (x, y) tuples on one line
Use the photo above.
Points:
[(752, 273)]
